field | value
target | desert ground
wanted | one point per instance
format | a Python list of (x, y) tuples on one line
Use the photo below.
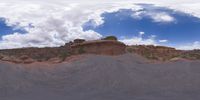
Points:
[(97, 77)]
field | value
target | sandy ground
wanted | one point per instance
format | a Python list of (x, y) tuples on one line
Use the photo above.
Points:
[(125, 77)]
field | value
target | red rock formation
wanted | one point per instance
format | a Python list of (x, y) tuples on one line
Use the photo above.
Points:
[(104, 47), (155, 52), (59, 54), (76, 41), (100, 47)]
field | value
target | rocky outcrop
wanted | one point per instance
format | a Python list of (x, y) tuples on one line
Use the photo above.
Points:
[(155, 52), (15, 59), (37, 54), (102, 47), (1, 56), (109, 46), (191, 55), (59, 54), (77, 41)]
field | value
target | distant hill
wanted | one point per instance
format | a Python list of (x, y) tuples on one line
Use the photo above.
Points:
[(162, 53)]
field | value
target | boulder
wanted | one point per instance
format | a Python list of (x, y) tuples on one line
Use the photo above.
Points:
[(28, 61), (55, 60), (23, 57), (6, 58)]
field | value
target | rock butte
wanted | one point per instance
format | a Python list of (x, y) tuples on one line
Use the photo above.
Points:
[(102, 47), (59, 54), (99, 47)]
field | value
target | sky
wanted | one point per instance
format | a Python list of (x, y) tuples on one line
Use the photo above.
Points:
[(50, 23)]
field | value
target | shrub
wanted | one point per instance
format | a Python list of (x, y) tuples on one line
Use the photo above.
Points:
[(1, 56), (81, 50), (129, 50), (64, 55), (110, 38)]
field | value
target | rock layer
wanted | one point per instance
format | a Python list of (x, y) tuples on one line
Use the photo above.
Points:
[(79, 46), (102, 47)]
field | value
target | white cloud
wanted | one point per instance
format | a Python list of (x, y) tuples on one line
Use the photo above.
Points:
[(138, 15), (53, 24), (156, 16), (163, 41), (190, 46), (141, 33), (139, 40), (57, 22), (162, 17)]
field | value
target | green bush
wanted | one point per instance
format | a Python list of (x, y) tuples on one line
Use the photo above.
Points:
[(110, 38), (81, 50), (129, 50), (64, 55)]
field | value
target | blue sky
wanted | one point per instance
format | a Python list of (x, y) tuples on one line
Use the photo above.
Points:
[(40, 24), (184, 28), (5, 29)]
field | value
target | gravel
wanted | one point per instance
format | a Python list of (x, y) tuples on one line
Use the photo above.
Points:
[(95, 77)]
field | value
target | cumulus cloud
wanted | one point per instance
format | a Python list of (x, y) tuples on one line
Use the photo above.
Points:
[(54, 23), (190, 46), (163, 41), (162, 17), (154, 14), (141, 33), (139, 40)]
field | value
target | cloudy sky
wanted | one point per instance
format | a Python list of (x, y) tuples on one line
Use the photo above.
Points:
[(37, 23)]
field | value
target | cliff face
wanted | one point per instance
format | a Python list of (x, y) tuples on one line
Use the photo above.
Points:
[(79, 46), (99, 47), (192, 55), (102, 47), (155, 52), (33, 54)]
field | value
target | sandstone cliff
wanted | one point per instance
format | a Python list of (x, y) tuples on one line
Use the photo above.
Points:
[(99, 47), (102, 47), (155, 52), (59, 54)]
